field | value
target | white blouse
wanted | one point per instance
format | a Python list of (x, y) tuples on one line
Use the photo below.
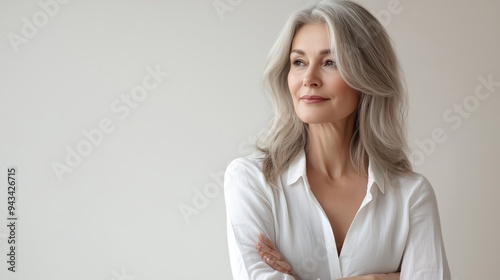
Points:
[(396, 228)]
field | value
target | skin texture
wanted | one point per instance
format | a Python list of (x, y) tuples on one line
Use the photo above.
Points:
[(333, 180)]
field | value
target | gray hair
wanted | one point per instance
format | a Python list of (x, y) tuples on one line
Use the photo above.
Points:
[(367, 62)]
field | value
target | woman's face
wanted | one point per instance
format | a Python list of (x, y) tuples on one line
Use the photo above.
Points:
[(319, 93)]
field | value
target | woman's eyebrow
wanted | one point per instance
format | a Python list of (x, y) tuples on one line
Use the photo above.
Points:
[(301, 52)]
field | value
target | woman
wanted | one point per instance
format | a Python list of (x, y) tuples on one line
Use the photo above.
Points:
[(330, 193)]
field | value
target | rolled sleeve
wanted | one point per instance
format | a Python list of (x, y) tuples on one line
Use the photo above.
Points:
[(424, 256), (248, 212)]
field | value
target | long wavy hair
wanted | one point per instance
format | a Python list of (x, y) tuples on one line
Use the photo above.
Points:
[(367, 62)]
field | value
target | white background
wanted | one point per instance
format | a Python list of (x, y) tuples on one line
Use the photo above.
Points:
[(116, 215)]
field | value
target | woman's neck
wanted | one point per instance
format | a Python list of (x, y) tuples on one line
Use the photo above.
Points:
[(329, 145)]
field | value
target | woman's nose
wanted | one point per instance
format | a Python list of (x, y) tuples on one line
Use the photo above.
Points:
[(311, 84), (311, 79)]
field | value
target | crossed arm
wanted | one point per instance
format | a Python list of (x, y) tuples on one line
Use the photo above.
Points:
[(274, 259)]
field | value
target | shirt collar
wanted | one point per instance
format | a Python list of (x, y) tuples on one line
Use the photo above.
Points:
[(297, 169)]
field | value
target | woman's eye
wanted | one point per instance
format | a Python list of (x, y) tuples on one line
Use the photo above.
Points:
[(330, 63), (298, 62)]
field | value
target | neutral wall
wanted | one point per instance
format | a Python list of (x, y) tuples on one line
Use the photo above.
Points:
[(115, 212)]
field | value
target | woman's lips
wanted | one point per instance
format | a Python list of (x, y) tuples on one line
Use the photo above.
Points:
[(309, 99)]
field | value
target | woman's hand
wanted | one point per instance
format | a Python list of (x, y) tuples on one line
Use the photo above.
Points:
[(390, 276), (272, 257)]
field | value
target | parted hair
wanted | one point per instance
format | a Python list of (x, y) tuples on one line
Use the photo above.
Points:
[(367, 62)]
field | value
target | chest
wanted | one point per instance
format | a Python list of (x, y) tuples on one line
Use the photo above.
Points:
[(375, 242), (340, 201)]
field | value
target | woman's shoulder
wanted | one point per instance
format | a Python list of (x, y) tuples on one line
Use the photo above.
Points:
[(248, 167), (244, 178), (411, 185), (250, 163), (412, 179)]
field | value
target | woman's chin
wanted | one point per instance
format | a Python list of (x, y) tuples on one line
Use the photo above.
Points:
[(312, 119)]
